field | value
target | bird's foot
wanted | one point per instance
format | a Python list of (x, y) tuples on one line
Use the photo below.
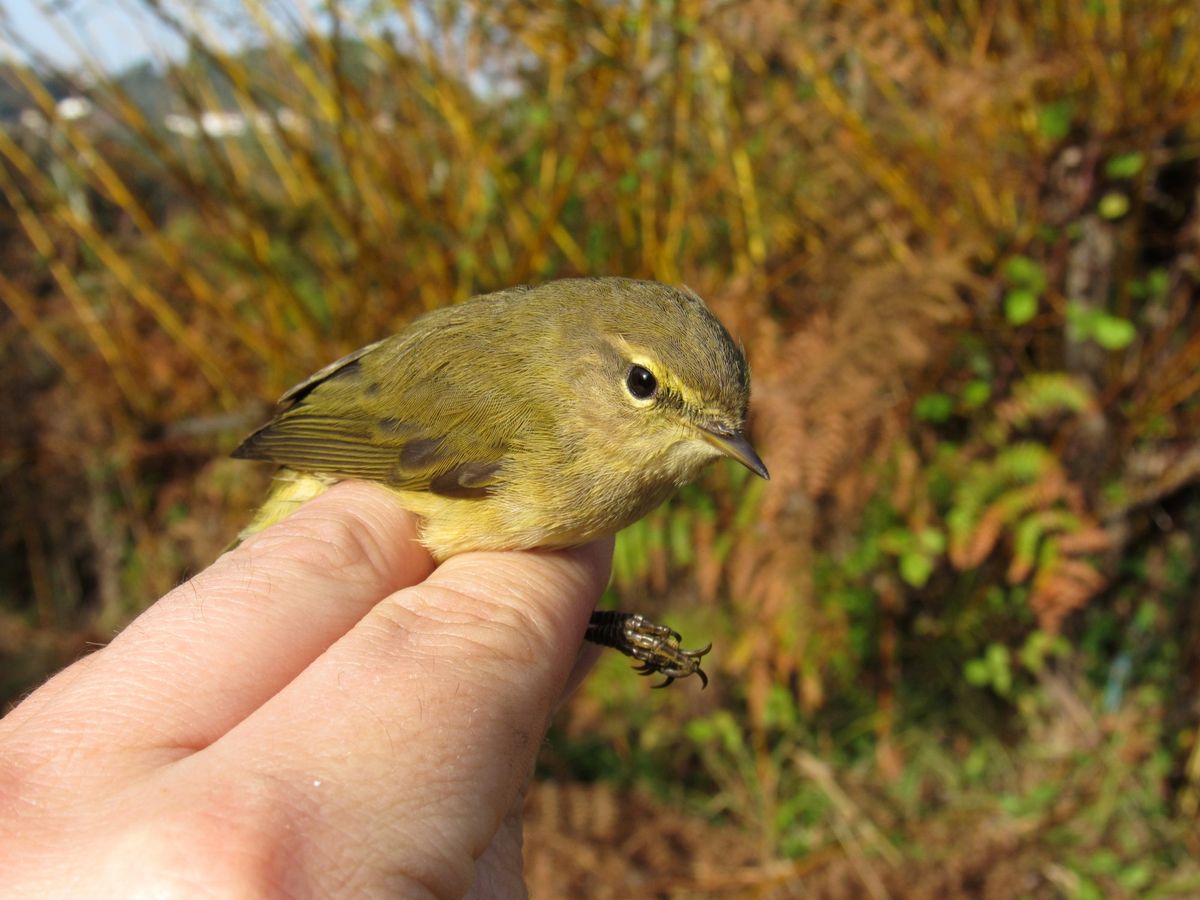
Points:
[(655, 646)]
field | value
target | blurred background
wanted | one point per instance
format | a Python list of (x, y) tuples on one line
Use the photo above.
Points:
[(957, 635)]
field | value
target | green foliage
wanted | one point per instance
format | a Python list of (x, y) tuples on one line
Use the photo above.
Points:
[(1027, 281), (934, 407), (1020, 306), (992, 670), (1113, 205), (1125, 165), (917, 554), (1021, 271), (1087, 324), (1045, 394), (1054, 119)]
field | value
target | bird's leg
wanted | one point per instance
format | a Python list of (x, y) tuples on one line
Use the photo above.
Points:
[(655, 646)]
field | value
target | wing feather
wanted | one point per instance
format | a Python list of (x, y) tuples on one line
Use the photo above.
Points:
[(331, 424)]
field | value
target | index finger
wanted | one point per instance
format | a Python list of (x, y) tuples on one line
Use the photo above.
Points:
[(397, 753), (218, 646)]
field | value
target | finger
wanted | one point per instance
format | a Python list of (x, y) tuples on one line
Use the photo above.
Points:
[(215, 648), (585, 661), (499, 871), (410, 738)]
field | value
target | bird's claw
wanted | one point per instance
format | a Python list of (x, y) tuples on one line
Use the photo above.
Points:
[(657, 649)]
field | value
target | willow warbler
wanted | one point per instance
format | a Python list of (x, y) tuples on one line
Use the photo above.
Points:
[(532, 417)]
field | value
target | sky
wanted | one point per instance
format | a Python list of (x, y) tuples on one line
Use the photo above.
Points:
[(112, 31)]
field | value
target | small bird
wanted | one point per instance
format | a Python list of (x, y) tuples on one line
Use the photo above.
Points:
[(531, 417)]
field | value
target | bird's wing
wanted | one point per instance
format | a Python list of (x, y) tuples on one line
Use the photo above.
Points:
[(377, 415)]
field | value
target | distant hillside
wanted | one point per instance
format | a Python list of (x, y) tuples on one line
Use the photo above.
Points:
[(156, 91), (13, 95)]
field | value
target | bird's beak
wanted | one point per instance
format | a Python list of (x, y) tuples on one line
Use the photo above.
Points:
[(734, 445)]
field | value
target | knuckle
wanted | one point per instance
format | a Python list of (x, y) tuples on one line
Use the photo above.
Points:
[(343, 544), (240, 838), (449, 621)]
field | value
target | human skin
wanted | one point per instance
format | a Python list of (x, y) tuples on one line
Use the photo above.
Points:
[(319, 713)]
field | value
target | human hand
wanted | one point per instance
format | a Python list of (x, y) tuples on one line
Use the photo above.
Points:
[(319, 713)]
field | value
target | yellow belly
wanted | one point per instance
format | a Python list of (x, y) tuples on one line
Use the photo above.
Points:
[(448, 525)]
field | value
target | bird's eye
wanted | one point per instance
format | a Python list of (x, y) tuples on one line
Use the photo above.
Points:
[(641, 382)]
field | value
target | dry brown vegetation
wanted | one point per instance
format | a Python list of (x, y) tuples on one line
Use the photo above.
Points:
[(960, 244)]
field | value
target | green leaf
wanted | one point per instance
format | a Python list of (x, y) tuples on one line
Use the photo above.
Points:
[(177, 513), (1039, 647), (1054, 119), (1026, 536), (1113, 205), (1145, 617), (915, 568), (975, 765), (1105, 862), (932, 540), (1011, 804), (1158, 282), (999, 668), (1021, 271), (934, 407), (977, 673), (680, 535), (717, 728), (780, 709), (1135, 877), (700, 731), (1080, 319), (976, 394), (1020, 306), (1124, 165), (896, 541), (1112, 332)]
